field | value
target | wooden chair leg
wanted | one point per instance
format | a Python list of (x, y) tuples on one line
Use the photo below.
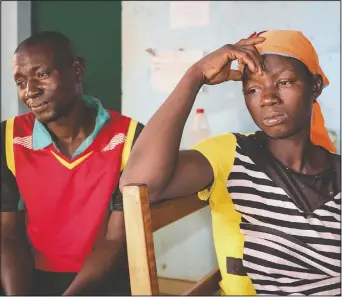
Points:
[(139, 236)]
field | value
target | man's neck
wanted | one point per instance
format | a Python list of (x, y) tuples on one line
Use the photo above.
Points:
[(77, 125), (298, 153)]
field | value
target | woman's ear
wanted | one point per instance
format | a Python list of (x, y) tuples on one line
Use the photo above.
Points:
[(317, 86)]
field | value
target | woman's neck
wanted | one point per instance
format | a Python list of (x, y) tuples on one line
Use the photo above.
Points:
[(298, 153)]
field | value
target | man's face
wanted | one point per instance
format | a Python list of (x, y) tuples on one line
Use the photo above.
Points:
[(280, 100), (45, 85)]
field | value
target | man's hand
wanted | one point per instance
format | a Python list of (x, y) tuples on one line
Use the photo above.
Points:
[(104, 260), (215, 68)]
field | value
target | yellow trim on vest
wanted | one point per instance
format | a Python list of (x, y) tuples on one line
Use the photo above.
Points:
[(72, 164), (128, 143), (9, 145)]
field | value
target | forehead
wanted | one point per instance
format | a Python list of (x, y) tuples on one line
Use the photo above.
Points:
[(274, 64), (32, 56)]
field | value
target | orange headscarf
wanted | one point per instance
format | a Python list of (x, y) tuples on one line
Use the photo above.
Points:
[(294, 44)]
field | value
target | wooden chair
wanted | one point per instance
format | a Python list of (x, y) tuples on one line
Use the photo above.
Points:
[(140, 223)]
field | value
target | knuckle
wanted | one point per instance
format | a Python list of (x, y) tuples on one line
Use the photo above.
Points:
[(228, 46)]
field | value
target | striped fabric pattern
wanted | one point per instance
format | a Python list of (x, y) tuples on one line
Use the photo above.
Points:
[(115, 141), (24, 141), (285, 252)]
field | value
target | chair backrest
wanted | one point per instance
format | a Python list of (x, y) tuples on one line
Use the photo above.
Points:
[(140, 223)]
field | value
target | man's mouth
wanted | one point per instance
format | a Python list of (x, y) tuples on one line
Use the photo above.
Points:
[(39, 106), (274, 118)]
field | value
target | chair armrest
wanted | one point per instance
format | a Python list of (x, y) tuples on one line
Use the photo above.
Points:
[(208, 285), (166, 212)]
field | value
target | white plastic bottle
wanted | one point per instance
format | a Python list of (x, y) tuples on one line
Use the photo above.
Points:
[(200, 127)]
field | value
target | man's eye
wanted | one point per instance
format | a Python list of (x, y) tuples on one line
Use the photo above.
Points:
[(20, 83), (42, 75)]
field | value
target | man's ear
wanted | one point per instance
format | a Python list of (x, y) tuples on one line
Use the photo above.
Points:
[(317, 86), (79, 66)]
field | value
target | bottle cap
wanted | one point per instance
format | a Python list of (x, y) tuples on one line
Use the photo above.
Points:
[(200, 110)]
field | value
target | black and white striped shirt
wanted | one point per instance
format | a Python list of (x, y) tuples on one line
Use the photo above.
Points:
[(284, 249)]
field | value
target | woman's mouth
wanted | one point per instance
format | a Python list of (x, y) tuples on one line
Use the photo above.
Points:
[(274, 118)]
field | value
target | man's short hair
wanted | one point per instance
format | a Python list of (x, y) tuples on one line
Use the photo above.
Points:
[(58, 42)]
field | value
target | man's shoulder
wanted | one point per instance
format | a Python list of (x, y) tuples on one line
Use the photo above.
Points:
[(21, 125), (25, 119), (3, 131), (3, 124), (132, 122), (118, 114)]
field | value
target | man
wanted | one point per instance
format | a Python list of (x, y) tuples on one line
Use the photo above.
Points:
[(61, 164), (274, 194)]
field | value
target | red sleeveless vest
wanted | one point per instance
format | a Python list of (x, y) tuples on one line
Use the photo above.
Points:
[(67, 201)]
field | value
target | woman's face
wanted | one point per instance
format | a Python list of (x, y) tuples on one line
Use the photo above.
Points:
[(280, 100)]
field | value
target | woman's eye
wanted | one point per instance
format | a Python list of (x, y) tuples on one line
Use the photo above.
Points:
[(284, 83), (251, 91)]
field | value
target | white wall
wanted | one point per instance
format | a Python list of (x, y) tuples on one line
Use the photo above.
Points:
[(9, 102), (15, 27), (145, 25)]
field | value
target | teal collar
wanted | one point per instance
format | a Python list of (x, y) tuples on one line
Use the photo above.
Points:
[(41, 137)]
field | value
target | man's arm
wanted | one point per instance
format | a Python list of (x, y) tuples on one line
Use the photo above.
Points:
[(103, 260), (17, 263)]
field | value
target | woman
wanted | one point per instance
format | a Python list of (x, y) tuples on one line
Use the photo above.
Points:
[(274, 194)]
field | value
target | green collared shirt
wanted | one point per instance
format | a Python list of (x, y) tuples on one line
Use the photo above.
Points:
[(41, 138)]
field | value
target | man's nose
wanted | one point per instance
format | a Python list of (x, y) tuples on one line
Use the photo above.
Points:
[(32, 90)]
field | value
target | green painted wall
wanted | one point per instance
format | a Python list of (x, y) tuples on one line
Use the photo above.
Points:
[(94, 27)]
